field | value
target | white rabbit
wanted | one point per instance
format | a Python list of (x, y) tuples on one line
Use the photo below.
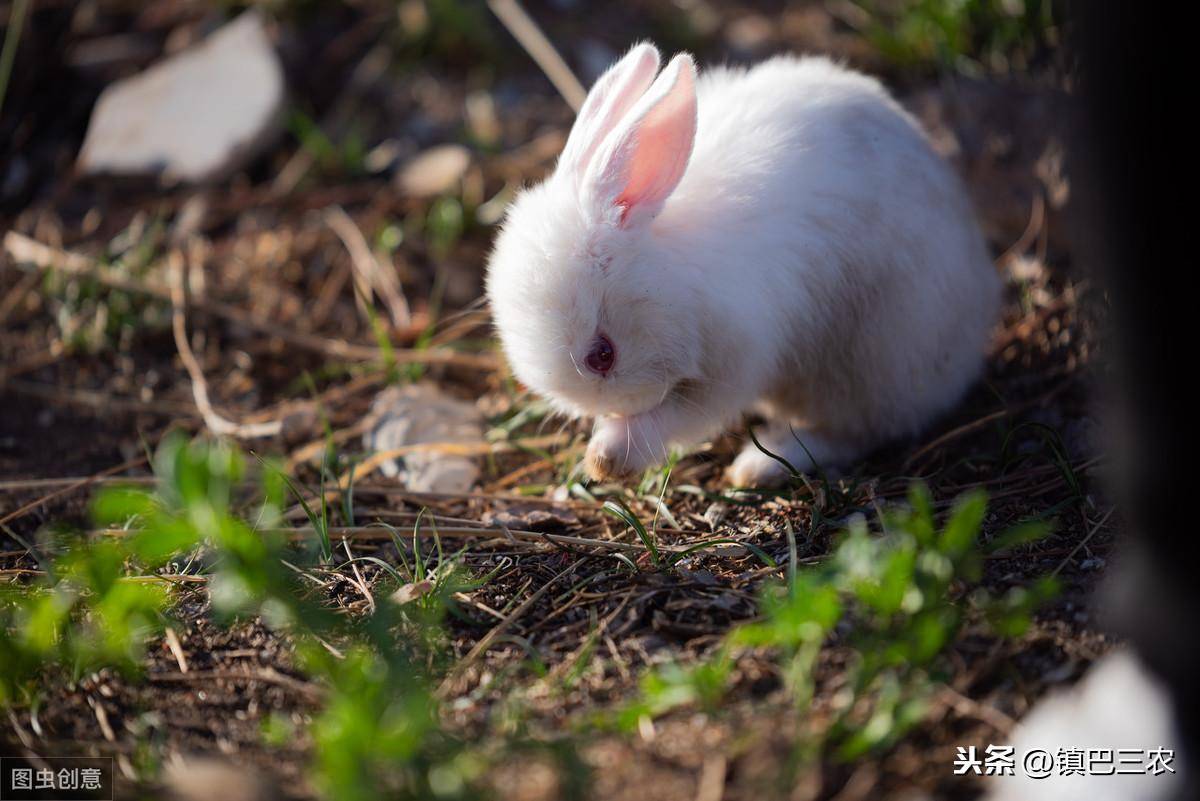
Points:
[(781, 238)]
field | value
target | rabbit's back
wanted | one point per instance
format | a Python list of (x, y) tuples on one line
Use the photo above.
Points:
[(804, 135), (857, 256)]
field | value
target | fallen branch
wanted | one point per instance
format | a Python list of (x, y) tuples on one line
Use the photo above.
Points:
[(369, 274), (316, 448), (268, 675), (219, 425), (530, 36), (1033, 230), (71, 482), (74, 485)]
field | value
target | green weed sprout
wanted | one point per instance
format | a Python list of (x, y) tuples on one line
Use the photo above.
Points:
[(895, 600), (378, 733), (85, 617)]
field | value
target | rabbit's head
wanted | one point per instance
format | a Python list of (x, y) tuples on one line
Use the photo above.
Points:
[(585, 318)]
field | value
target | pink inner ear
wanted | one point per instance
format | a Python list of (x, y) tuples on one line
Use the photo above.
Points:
[(613, 95), (662, 145)]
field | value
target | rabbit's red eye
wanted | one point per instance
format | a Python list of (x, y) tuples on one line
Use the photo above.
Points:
[(601, 357)]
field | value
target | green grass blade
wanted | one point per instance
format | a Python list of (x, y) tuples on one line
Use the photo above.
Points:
[(762, 555), (618, 509)]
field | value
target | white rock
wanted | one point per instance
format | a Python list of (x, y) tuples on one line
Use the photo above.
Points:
[(435, 172), (196, 116), (417, 414)]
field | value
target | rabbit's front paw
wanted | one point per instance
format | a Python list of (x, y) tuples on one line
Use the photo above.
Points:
[(611, 455)]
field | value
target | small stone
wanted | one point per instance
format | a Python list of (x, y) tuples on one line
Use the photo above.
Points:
[(194, 117), (411, 592), (715, 514), (435, 172), (418, 414)]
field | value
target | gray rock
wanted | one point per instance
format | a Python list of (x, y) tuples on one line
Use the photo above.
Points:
[(196, 116), (417, 414)]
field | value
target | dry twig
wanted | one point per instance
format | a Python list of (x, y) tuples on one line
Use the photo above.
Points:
[(76, 484), (216, 423), (486, 642), (369, 275), (527, 32)]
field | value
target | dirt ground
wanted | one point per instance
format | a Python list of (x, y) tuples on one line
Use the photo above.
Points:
[(90, 377)]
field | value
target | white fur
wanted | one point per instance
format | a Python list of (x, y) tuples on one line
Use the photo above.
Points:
[(816, 261), (1118, 705)]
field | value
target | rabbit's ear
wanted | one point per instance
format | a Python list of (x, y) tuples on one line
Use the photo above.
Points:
[(608, 101), (641, 162)]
